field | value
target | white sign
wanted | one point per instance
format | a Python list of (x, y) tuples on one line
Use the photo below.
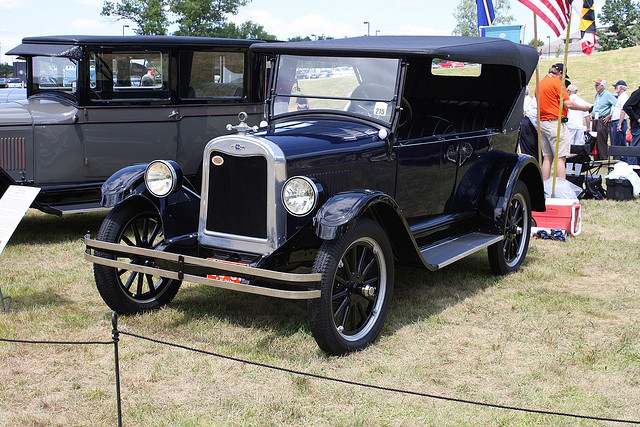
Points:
[(13, 206)]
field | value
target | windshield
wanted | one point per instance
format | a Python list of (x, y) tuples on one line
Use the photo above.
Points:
[(362, 86), (54, 73)]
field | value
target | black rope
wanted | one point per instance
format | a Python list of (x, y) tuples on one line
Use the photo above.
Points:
[(376, 387), (58, 342)]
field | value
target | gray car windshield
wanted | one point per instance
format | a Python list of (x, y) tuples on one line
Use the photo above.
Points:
[(55, 73), (362, 86)]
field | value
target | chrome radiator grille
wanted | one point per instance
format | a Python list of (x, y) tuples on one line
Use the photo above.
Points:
[(237, 195)]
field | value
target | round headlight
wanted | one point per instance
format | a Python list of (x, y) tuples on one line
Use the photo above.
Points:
[(161, 177), (299, 195)]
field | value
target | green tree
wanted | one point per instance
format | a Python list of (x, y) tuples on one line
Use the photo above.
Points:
[(6, 70), (150, 16), (299, 39), (246, 30), (622, 17), (466, 16), (533, 43), (202, 17)]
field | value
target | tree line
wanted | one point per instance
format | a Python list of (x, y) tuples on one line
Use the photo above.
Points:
[(209, 18)]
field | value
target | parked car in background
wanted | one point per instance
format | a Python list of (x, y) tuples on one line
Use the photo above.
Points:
[(451, 64), (15, 82), (3, 82), (96, 104), (390, 164)]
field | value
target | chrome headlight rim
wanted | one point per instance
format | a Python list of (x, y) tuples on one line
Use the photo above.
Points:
[(311, 184), (170, 180)]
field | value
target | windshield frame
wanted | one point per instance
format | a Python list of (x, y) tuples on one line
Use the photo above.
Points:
[(33, 84), (393, 77)]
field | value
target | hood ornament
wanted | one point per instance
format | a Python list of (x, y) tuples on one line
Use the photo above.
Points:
[(242, 128)]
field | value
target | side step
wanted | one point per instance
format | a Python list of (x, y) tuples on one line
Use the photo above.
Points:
[(76, 208), (447, 251)]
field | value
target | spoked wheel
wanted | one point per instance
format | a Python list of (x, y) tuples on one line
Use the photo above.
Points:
[(357, 284), (134, 223), (507, 256)]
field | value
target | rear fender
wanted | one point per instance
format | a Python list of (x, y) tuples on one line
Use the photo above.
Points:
[(508, 171), (341, 212)]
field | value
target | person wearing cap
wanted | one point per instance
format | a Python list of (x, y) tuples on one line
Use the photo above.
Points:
[(550, 90), (601, 117), (575, 121), (618, 116), (632, 108)]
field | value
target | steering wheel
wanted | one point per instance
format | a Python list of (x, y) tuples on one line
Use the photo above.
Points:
[(407, 112)]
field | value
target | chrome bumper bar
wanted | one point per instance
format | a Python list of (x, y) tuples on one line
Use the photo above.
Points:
[(185, 262)]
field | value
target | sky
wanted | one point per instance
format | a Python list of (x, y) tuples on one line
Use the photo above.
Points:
[(282, 18)]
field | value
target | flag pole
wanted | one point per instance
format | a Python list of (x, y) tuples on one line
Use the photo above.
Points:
[(535, 38), (562, 88)]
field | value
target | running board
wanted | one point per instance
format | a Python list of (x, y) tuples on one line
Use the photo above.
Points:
[(442, 253)]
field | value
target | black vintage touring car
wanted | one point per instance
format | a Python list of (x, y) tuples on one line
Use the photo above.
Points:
[(379, 159)]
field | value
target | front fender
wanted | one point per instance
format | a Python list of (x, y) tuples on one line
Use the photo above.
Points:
[(178, 211), (123, 184), (341, 211)]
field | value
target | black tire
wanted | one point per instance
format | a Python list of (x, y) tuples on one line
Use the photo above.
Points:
[(134, 222), (357, 284), (507, 256)]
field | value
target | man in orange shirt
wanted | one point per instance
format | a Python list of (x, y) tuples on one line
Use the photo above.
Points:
[(550, 88)]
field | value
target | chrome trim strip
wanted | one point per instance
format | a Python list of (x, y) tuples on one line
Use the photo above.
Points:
[(276, 176), (230, 269)]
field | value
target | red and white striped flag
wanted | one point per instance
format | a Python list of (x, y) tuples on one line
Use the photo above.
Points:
[(555, 13)]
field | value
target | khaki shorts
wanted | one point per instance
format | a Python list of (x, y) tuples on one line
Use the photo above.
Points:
[(548, 134)]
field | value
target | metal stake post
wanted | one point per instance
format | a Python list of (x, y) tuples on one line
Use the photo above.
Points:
[(116, 338), (2, 298)]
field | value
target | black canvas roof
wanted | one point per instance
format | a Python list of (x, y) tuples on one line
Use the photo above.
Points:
[(68, 46), (482, 50)]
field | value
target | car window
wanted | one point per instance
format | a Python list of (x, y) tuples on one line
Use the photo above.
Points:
[(55, 74), (129, 75), (362, 86), (214, 75)]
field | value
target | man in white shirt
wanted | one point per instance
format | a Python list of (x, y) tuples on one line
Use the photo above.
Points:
[(576, 118), (618, 116)]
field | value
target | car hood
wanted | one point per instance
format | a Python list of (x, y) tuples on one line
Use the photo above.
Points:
[(37, 111), (320, 136)]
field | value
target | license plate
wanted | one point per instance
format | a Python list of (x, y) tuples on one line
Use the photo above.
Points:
[(228, 279)]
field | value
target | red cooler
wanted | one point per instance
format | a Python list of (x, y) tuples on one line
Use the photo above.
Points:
[(561, 214)]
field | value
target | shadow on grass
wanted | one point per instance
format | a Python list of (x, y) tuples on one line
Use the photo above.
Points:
[(418, 294), (37, 227), (29, 301)]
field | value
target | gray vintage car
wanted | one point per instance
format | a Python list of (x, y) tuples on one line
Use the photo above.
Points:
[(96, 104)]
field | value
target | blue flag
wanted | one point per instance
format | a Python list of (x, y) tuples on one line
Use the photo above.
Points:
[(486, 15)]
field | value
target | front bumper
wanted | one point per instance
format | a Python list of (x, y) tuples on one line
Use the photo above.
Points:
[(195, 270)]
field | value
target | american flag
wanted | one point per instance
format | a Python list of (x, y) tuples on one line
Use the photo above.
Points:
[(555, 13)]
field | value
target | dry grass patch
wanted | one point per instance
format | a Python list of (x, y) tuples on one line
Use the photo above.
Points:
[(561, 334)]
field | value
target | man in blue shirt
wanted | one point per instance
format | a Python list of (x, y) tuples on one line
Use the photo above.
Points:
[(601, 116)]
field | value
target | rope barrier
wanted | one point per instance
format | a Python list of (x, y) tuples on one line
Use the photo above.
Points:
[(382, 388), (116, 333)]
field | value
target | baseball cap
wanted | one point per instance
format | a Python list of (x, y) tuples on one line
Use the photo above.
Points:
[(620, 83), (560, 66), (600, 82), (572, 88)]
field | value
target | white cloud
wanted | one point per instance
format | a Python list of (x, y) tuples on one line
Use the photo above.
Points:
[(83, 24), (96, 3), (417, 30), (11, 4)]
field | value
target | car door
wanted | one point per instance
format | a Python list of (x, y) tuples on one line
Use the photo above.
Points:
[(129, 118)]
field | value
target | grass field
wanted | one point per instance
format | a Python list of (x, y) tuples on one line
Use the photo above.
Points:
[(559, 335)]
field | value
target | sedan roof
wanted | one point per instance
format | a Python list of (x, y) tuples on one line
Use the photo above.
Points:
[(69, 46), (482, 50)]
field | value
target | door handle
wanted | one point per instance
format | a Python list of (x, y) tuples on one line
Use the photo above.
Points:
[(174, 113)]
